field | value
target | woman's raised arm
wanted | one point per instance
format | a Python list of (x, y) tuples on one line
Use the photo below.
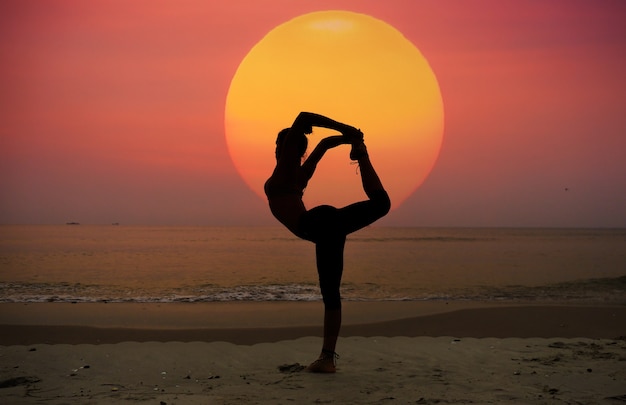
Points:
[(310, 164), (306, 120)]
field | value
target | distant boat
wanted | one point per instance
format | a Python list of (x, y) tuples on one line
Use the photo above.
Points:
[(72, 223), (115, 223)]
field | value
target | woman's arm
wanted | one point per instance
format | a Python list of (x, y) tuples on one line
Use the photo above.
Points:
[(290, 156), (306, 120), (310, 164)]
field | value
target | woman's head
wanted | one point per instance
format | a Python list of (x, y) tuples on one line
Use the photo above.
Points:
[(302, 142)]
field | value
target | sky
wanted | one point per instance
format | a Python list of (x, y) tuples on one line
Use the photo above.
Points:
[(113, 111)]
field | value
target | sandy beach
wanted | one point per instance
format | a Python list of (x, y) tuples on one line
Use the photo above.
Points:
[(406, 353)]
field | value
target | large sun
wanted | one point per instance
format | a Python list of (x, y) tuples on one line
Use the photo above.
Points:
[(350, 67)]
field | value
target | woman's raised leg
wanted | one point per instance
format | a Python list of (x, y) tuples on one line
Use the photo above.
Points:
[(361, 214)]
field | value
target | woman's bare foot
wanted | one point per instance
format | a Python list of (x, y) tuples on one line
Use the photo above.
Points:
[(358, 151), (324, 364), (352, 135)]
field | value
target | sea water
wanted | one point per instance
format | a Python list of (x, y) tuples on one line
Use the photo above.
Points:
[(79, 263)]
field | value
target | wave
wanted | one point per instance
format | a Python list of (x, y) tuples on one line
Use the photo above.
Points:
[(77, 293), (604, 290), (595, 289)]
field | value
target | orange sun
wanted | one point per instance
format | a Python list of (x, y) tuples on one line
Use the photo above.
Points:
[(352, 68)]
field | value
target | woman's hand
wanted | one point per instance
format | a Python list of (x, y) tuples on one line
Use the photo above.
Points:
[(352, 134)]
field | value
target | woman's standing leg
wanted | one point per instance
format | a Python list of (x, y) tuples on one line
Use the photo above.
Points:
[(329, 256)]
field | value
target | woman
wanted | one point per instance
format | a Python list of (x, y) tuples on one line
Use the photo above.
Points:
[(326, 226)]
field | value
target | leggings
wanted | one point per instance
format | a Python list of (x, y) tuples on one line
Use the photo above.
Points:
[(327, 227)]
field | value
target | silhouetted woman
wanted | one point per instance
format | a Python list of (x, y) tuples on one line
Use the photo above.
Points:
[(326, 226)]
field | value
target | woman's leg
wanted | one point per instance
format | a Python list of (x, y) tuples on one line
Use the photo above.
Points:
[(328, 228), (361, 214), (329, 256), (321, 226), (369, 177)]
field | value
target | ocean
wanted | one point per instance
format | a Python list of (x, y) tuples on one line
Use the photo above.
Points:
[(88, 263)]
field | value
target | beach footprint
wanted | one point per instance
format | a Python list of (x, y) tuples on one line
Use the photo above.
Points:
[(17, 381), (291, 368)]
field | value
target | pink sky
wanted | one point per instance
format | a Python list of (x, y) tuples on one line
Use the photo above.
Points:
[(112, 111)]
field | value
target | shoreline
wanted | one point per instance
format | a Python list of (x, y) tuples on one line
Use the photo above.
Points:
[(246, 323)]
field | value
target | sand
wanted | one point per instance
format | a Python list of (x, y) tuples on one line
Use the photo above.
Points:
[(474, 353)]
